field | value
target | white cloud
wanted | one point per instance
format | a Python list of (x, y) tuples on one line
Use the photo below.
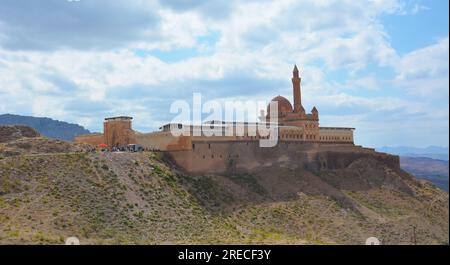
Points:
[(418, 8), (58, 24), (343, 34), (425, 72), (91, 71)]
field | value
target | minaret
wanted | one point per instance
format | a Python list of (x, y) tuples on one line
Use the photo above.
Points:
[(296, 80)]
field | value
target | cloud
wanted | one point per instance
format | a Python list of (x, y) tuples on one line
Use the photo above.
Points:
[(57, 24), (219, 9), (341, 34), (418, 8), (386, 121), (425, 72), (84, 60)]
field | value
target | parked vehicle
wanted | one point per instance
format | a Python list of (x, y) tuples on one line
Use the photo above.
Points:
[(135, 148)]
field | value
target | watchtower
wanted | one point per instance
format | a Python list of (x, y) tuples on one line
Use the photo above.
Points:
[(118, 132)]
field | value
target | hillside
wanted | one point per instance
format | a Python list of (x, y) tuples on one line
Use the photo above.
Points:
[(46, 126), (141, 198), (434, 170)]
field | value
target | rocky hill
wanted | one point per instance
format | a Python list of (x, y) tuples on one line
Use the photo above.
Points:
[(14, 132), (23, 140), (46, 126), (142, 198)]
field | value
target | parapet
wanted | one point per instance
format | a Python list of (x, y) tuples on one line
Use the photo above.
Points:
[(119, 118)]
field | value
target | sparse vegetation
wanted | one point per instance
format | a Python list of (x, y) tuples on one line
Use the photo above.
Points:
[(249, 181), (137, 198)]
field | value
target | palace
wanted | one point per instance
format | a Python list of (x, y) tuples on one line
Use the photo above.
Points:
[(294, 124), (298, 134)]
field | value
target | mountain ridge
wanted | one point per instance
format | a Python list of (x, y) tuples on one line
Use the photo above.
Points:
[(46, 126), (434, 170), (435, 152)]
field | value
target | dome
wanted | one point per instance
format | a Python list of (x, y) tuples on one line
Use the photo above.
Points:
[(284, 106)]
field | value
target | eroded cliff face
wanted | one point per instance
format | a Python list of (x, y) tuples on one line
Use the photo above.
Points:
[(292, 168), (353, 191), (336, 159)]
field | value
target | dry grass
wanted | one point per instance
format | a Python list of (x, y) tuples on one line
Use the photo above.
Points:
[(137, 199)]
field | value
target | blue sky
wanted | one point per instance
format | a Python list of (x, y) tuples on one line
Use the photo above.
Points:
[(380, 66)]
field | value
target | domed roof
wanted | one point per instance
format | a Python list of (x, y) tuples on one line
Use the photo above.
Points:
[(284, 106)]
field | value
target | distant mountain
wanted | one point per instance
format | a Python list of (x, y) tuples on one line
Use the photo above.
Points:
[(433, 170), (46, 126), (435, 152)]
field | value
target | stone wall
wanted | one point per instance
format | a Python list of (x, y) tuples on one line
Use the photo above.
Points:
[(245, 156), (92, 139), (163, 141)]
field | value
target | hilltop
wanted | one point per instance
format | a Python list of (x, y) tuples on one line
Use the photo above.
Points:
[(47, 195), (47, 127), (14, 132)]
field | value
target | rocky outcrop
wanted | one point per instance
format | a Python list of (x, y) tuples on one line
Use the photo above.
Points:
[(20, 140), (13, 132), (337, 159)]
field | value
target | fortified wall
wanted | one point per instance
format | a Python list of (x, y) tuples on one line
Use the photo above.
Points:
[(245, 156), (202, 154)]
